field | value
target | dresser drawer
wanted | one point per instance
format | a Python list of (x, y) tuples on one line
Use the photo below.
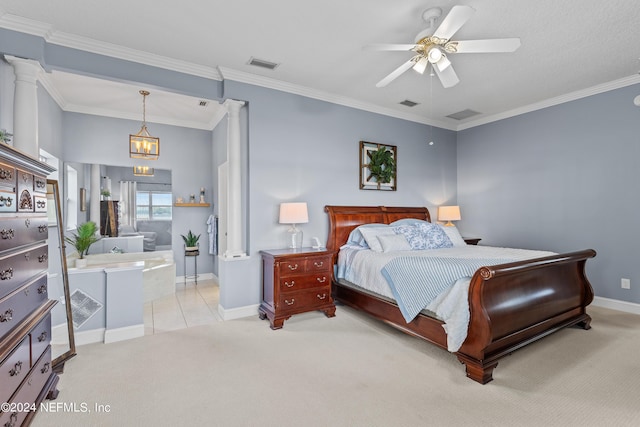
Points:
[(14, 369), (40, 337), (305, 265), (25, 191), (18, 231), (28, 393), (309, 299), (17, 267), (39, 184), (294, 283), (21, 302)]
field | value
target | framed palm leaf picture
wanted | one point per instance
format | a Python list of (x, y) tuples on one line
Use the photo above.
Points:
[(378, 166)]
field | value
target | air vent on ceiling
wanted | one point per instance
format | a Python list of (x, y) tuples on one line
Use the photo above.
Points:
[(203, 103), (408, 103), (262, 63), (464, 114)]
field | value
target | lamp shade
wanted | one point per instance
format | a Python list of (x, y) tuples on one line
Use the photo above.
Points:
[(293, 213), (449, 213)]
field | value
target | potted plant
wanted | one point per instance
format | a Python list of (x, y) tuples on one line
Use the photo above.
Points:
[(190, 241), (5, 136), (106, 194), (84, 237)]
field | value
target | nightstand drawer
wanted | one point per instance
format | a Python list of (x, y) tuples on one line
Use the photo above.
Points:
[(305, 265), (305, 300), (288, 284)]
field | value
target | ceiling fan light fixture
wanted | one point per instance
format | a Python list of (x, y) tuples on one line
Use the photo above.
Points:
[(421, 65), (434, 55)]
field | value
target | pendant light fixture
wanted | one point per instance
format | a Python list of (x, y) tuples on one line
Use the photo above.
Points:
[(143, 171), (142, 145)]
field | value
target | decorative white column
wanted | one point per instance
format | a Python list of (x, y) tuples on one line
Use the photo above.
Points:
[(234, 220), (25, 105), (94, 197)]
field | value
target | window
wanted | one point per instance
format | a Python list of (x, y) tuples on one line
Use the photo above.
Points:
[(153, 205)]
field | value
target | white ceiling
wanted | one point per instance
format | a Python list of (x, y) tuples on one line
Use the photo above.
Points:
[(569, 48)]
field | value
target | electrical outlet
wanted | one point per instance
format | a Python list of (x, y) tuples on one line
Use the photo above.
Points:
[(625, 283)]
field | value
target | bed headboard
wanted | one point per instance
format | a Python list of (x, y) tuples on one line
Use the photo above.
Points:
[(343, 219)]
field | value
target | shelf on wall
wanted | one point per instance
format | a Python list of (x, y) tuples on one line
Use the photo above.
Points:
[(192, 205)]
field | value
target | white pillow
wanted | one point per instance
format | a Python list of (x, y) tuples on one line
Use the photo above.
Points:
[(371, 236), (454, 235), (394, 242)]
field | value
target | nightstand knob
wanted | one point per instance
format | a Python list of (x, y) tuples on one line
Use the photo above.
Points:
[(293, 267), (290, 302), (323, 296), (321, 279), (318, 264), (290, 285)]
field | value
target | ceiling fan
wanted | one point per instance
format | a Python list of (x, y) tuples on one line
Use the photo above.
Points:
[(432, 48)]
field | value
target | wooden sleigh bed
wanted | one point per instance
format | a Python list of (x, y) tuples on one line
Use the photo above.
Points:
[(511, 305)]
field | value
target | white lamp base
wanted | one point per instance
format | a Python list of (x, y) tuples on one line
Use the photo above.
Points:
[(294, 237)]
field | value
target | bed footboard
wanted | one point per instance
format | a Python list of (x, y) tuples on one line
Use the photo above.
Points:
[(512, 305)]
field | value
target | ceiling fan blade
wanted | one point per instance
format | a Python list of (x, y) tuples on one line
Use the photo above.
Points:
[(390, 46), (482, 46), (396, 73), (447, 76), (443, 63), (455, 19)]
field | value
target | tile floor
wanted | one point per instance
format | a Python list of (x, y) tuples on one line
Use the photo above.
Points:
[(192, 305)]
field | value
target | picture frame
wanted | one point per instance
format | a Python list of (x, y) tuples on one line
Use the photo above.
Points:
[(378, 166)]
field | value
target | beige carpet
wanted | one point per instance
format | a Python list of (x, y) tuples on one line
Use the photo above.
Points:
[(350, 371)]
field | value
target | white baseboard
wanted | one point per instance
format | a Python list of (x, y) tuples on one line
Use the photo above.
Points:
[(614, 304), (203, 276), (108, 335), (89, 337), (126, 333), (237, 313)]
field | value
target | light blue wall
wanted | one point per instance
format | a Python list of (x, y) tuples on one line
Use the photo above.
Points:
[(563, 178), (302, 149)]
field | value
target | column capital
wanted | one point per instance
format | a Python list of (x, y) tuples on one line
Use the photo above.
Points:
[(233, 106), (26, 70)]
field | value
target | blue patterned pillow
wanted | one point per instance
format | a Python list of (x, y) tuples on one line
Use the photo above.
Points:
[(424, 236)]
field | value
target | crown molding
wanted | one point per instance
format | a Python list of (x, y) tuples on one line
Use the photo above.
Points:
[(52, 36), (253, 79), (594, 90)]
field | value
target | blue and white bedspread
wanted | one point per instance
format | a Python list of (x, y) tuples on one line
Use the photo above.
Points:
[(412, 283)]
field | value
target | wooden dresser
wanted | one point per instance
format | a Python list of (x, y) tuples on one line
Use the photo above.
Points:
[(26, 376), (295, 281)]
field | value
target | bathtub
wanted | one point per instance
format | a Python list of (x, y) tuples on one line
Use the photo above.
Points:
[(158, 273)]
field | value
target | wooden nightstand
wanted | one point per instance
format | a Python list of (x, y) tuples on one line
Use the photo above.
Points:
[(295, 281), (471, 240)]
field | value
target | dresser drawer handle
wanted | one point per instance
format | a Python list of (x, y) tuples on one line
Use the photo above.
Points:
[(42, 289), (290, 285), (13, 420), (41, 204), (318, 264), (7, 316), (293, 267), (6, 274), (321, 279), (16, 369), (45, 368), (6, 201), (7, 234), (323, 296), (6, 174), (43, 258), (43, 336), (40, 183), (290, 302), (42, 228), (27, 222)]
